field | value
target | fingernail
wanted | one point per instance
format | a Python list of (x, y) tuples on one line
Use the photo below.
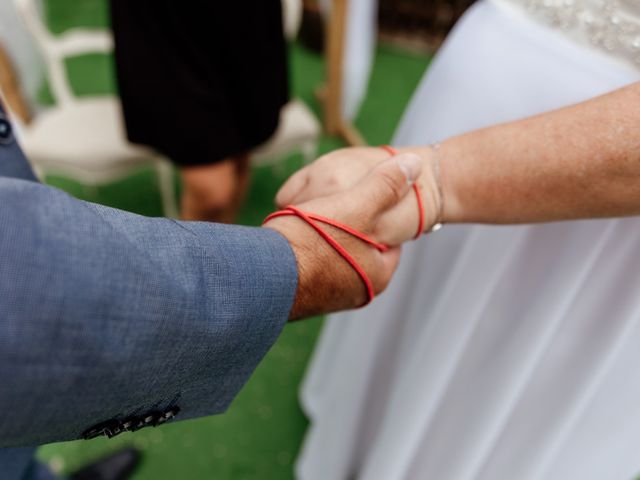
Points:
[(411, 165)]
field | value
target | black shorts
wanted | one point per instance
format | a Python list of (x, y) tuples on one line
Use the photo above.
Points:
[(200, 81)]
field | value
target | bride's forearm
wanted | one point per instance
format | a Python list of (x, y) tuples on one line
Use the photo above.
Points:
[(578, 162)]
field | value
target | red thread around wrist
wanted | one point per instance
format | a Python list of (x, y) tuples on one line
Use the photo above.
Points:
[(312, 218), (416, 189)]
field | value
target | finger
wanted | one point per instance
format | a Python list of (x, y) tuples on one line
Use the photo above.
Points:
[(309, 191), (394, 224), (292, 188), (389, 182)]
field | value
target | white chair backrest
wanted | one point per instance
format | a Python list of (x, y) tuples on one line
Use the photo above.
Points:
[(55, 49)]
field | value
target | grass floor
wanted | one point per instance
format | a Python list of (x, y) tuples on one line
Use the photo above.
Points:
[(259, 436)]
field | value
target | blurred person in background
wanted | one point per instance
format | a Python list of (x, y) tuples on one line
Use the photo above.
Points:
[(203, 83), (501, 352)]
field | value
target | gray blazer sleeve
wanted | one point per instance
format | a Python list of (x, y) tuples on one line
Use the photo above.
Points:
[(111, 322)]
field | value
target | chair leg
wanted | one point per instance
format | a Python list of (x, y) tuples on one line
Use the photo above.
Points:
[(39, 172), (164, 172), (90, 191), (309, 151)]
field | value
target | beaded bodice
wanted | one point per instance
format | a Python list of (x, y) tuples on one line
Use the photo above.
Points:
[(612, 26)]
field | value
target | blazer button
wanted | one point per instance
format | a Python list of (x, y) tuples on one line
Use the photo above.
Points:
[(171, 412), (150, 419), (6, 132), (110, 428), (114, 427)]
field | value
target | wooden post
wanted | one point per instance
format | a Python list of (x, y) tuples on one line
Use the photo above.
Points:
[(10, 89), (331, 93), (334, 59)]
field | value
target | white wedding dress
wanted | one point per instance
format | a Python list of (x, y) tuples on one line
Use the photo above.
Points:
[(497, 353)]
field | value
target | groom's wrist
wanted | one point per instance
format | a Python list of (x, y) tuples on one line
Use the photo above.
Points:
[(325, 284)]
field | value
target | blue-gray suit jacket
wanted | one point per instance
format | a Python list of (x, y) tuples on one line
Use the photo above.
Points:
[(112, 322)]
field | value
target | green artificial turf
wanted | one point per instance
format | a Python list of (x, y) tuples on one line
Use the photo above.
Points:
[(259, 436)]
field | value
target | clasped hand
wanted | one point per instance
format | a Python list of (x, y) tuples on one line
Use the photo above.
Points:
[(369, 191)]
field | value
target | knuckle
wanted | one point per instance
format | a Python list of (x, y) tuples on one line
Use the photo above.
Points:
[(332, 180), (337, 182)]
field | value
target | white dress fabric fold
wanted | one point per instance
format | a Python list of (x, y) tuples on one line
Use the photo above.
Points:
[(497, 352)]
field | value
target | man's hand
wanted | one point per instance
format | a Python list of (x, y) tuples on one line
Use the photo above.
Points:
[(342, 169), (326, 282)]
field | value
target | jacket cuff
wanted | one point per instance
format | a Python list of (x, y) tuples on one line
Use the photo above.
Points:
[(257, 270)]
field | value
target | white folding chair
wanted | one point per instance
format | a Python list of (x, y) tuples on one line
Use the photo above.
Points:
[(299, 130), (83, 138)]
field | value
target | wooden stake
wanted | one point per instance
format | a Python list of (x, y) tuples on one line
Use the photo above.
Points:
[(331, 93), (10, 89)]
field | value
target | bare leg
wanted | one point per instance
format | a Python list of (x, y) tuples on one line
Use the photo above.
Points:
[(215, 192), (243, 172)]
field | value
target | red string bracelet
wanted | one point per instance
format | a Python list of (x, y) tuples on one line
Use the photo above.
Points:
[(416, 189), (312, 218)]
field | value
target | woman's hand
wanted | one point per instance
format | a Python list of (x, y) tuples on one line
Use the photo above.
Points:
[(341, 169), (326, 282)]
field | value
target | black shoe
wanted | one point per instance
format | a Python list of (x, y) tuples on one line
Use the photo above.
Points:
[(117, 466)]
